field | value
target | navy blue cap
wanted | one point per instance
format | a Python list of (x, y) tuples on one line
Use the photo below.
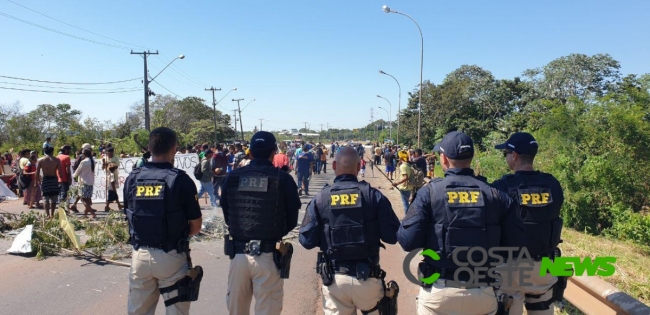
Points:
[(263, 140), (520, 142), (207, 151), (456, 146)]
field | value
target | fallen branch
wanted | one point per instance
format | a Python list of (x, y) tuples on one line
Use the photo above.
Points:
[(93, 256)]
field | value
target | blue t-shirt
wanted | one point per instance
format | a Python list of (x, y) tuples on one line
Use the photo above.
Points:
[(304, 161), (231, 158)]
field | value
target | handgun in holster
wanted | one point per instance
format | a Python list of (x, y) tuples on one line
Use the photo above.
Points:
[(324, 269), (560, 285), (188, 287), (388, 304), (504, 303), (228, 246), (282, 258), (424, 271)]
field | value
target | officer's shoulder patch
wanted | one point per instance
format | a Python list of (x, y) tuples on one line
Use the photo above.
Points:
[(254, 183), (149, 190), (464, 197), (535, 196), (348, 198)]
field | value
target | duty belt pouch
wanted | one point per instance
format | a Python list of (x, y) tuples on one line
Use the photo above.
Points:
[(254, 247), (363, 270), (228, 246), (424, 271)]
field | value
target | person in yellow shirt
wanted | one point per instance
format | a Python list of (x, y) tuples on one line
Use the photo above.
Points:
[(403, 185)]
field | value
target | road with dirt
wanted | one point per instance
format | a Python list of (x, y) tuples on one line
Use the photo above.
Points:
[(69, 285)]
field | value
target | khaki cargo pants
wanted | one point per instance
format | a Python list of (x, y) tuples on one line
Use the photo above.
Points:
[(151, 269), (539, 286), (346, 295), (441, 300), (254, 276)]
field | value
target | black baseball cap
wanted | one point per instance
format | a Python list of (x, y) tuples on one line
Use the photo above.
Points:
[(456, 146), (207, 151), (520, 142), (263, 140)]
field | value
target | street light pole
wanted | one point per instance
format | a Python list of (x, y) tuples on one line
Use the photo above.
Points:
[(389, 10), (390, 123), (240, 123), (214, 112), (399, 104), (147, 120)]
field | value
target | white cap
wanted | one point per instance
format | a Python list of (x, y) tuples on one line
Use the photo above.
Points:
[(86, 146)]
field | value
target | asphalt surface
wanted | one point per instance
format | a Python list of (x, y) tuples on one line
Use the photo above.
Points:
[(68, 285)]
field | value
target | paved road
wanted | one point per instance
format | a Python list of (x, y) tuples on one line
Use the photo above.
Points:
[(66, 285)]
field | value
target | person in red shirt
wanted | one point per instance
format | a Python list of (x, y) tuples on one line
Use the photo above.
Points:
[(280, 160), (65, 177)]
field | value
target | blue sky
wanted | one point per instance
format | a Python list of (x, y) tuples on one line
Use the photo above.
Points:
[(303, 61)]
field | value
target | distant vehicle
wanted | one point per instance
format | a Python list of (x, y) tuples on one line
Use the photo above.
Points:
[(294, 132)]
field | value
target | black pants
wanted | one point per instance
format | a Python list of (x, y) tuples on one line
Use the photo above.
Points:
[(377, 160), (217, 183), (324, 166)]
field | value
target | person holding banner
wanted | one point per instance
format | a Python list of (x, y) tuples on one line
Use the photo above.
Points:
[(106, 160)]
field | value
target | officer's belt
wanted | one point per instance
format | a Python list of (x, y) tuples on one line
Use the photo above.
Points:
[(458, 285), (351, 270), (242, 247), (165, 248)]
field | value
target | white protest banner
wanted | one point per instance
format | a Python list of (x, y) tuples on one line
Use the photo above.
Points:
[(184, 162)]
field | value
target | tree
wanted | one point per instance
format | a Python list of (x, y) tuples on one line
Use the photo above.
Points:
[(585, 77)]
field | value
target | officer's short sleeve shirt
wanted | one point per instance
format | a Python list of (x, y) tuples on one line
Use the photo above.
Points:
[(188, 199)]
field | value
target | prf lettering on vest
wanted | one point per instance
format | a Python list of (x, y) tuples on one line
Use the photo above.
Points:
[(253, 183), (535, 196), (535, 199), (464, 197), (148, 191), (345, 200)]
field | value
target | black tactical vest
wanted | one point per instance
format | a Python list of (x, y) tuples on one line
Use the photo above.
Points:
[(534, 194), (155, 219), (350, 221), (466, 212), (257, 207)]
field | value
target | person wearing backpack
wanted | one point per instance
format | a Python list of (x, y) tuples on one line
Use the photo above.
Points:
[(404, 185)]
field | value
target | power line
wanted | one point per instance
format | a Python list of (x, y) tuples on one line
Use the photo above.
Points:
[(181, 72), (167, 89), (68, 92), (68, 88), (62, 33), (176, 79), (79, 28), (77, 83)]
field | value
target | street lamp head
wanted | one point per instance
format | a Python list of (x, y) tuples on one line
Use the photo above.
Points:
[(379, 96), (181, 57), (234, 89), (386, 9), (382, 72)]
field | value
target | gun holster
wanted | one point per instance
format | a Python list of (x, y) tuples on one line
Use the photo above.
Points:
[(388, 304), (188, 287), (228, 246), (560, 285), (324, 269), (282, 258), (424, 271), (504, 302)]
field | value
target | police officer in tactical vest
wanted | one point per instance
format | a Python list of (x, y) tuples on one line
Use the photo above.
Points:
[(540, 199), (347, 221), (162, 208), (260, 205), (450, 215)]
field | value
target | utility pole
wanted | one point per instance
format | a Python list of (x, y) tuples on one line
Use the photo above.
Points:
[(305, 126), (235, 115), (214, 111), (147, 123), (372, 120), (241, 126), (261, 120)]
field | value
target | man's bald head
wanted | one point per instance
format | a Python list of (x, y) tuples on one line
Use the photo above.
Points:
[(346, 162)]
